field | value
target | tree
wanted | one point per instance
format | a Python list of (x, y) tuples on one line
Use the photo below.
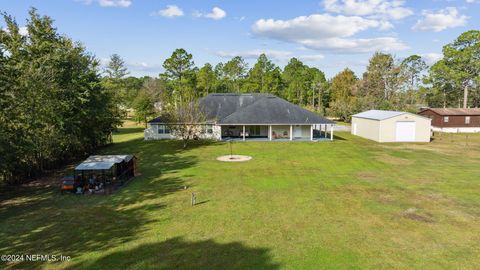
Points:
[(157, 92), (461, 60), (57, 109), (413, 68), (443, 90), (234, 70), (294, 78), (342, 91), (143, 107), (116, 68), (382, 81), (257, 76), (206, 79), (185, 121), (179, 69)]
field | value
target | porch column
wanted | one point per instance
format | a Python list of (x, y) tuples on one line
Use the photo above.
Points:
[(291, 132), (311, 132), (331, 132), (269, 132), (244, 132)]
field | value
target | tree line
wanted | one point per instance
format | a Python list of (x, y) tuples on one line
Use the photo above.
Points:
[(54, 106), (388, 83)]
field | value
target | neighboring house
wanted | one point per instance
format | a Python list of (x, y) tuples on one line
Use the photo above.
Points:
[(391, 126), (252, 116), (453, 119)]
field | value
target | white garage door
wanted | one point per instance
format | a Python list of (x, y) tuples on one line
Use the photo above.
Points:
[(405, 132)]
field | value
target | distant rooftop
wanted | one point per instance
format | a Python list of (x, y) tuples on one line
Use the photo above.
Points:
[(454, 111)]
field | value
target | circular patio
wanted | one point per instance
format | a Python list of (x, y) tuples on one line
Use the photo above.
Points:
[(234, 158)]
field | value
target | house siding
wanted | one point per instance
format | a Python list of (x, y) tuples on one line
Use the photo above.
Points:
[(151, 133), (454, 121)]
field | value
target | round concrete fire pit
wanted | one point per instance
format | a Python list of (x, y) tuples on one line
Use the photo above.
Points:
[(234, 158)]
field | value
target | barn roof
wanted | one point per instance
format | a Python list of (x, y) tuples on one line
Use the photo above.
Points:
[(378, 114), (454, 111)]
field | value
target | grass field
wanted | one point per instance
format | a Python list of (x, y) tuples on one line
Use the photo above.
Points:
[(346, 204)]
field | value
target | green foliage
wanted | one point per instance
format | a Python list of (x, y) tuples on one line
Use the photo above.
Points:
[(53, 105), (116, 68), (180, 73), (206, 80), (234, 71), (143, 106), (342, 91), (458, 71)]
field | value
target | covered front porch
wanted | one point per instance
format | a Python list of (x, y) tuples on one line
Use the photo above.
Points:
[(316, 132)]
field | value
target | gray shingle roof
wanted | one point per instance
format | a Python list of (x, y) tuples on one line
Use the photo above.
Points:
[(254, 108), (273, 110)]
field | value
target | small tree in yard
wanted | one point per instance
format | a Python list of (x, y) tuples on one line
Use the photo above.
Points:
[(183, 121), (143, 107)]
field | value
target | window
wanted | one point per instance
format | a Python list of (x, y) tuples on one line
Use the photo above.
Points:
[(160, 129), (209, 129), (445, 119), (163, 129), (467, 119)]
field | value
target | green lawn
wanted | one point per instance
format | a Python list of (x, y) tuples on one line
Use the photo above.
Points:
[(346, 204)]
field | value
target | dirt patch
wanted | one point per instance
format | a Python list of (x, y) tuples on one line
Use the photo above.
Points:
[(412, 214), (369, 176), (234, 158)]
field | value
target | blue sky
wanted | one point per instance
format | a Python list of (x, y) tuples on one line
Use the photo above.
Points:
[(328, 34)]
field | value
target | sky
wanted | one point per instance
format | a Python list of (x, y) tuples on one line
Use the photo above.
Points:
[(328, 34)]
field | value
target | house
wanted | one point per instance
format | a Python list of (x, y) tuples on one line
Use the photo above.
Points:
[(391, 126), (251, 117), (453, 119)]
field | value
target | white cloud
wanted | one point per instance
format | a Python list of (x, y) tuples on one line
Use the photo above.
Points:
[(328, 32), (431, 58), (144, 67), (438, 21), (170, 11), (109, 3), (272, 54), (22, 30), (393, 9), (470, 1), (216, 14)]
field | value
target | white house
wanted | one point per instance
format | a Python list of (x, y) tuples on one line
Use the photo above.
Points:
[(252, 117)]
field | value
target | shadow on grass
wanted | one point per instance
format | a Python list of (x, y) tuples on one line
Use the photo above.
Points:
[(40, 220), (177, 253), (130, 130)]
